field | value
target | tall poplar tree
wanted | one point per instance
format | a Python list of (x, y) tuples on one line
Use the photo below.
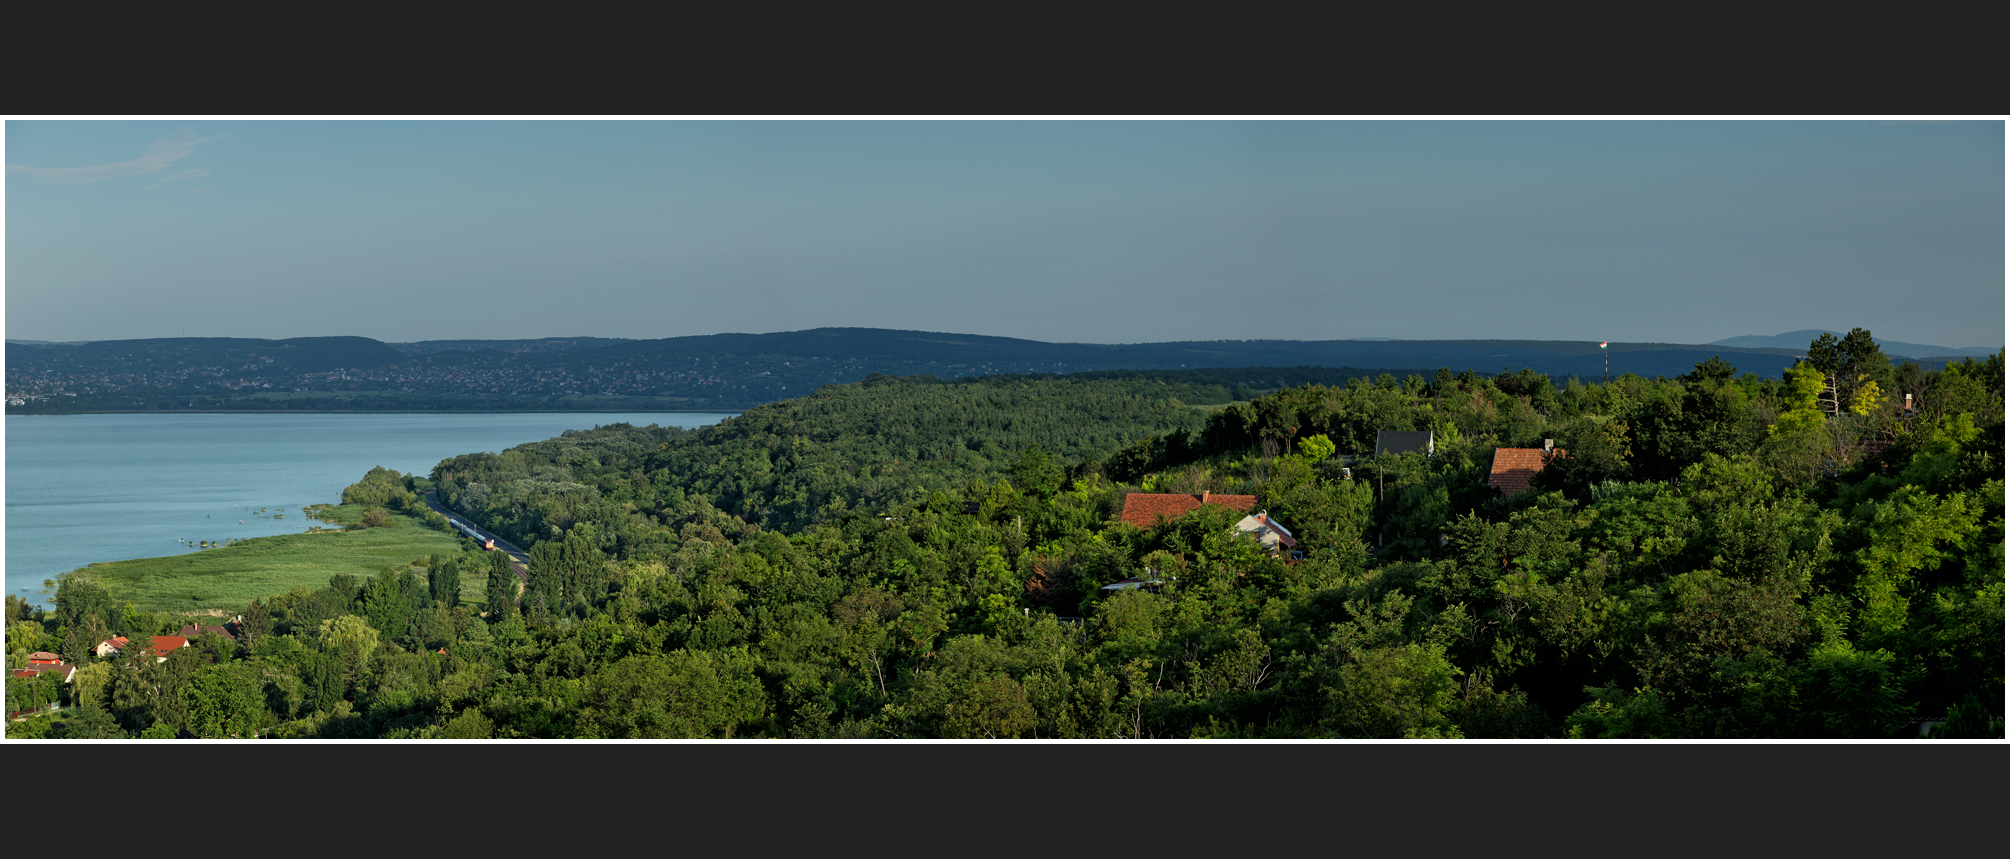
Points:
[(445, 580), (547, 574), (502, 581)]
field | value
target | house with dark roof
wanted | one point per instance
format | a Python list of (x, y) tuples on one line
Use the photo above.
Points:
[(43, 657), (192, 632), (1515, 467), (1147, 509), (1405, 441)]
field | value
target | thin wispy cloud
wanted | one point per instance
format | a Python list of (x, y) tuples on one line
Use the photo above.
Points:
[(159, 154), (197, 173)]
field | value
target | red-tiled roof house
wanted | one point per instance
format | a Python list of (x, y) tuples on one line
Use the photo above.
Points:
[(1514, 467), (1146, 509), (165, 643)]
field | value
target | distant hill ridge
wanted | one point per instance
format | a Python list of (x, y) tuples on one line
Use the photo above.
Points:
[(542, 344), (298, 354), (949, 355), (1799, 340)]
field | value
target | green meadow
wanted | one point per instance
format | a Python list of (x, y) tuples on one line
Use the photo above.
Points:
[(230, 577)]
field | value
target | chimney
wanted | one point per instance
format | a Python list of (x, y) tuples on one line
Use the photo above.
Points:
[(1204, 494), (1548, 445)]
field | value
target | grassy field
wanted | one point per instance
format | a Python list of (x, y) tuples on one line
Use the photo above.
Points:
[(230, 577)]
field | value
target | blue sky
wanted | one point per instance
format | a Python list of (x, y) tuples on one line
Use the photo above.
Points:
[(1097, 231)]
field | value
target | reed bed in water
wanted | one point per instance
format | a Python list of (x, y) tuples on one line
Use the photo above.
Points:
[(230, 577)]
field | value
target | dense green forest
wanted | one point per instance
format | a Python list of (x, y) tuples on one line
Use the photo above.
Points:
[(1718, 555)]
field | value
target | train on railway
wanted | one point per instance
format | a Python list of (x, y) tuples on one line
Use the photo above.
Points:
[(486, 542)]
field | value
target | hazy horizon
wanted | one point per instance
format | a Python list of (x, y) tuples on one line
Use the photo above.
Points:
[(1082, 232), (1794, 343), (1717, 341)]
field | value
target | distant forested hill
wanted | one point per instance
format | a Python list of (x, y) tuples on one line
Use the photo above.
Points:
[(223, 354), (953, 355), (1796, 340), (545, 344), (713, 372)]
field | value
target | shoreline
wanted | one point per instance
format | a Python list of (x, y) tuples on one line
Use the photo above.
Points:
[(42, 559)]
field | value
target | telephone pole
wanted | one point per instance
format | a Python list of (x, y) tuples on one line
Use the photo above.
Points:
[(1381, 511)]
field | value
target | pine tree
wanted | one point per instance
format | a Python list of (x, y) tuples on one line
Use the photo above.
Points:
[(256, 626), (76, 648)]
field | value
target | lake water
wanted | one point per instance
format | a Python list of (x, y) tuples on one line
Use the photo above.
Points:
[(88, 488)]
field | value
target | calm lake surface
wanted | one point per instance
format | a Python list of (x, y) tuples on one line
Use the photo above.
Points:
[(88, 488)]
